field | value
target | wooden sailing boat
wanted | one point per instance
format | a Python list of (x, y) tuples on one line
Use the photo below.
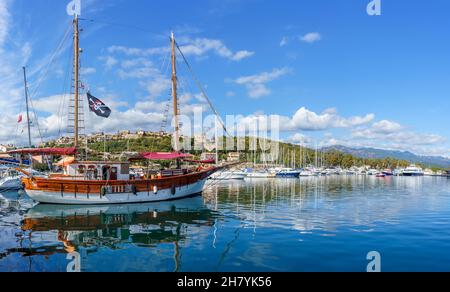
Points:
[(93, 182)]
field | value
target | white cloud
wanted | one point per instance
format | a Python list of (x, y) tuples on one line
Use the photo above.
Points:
[(230, 94), (390, 135), (137, 52), (256, 84), (109, 62), (386, 127), (201, 46), (241, 55), (53, 111), (88, 71), (284, 41), (4, 21), (299, 139), (190, 47), (13, 55), (130, 63), (138, 68), (403, 137), (49, 104), (307, 120), (311, 37), (436, 149), (138, 72), (159, 86), (303, 120)]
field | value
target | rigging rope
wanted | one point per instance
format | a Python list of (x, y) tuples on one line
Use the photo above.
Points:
[(202, 90), (165, 64), (44, 76), (56, 53), (65, 89), (121, 25)]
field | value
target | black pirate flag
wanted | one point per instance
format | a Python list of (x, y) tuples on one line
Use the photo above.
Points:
[(98, 107)]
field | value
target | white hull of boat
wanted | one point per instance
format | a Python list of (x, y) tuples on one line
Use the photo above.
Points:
[(124, 198), (228, 176), (260, 175), (413, 174), (10, 183), (307, 174)]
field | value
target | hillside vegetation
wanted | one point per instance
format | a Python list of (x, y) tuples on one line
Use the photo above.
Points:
[(303, 156)]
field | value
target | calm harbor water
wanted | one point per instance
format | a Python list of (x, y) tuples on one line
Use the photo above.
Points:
[(311, 224)]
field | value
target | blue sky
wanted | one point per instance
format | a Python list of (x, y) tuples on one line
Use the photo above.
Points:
[(333, 73)]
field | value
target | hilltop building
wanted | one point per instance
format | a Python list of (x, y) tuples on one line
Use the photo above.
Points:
[(6, 148)]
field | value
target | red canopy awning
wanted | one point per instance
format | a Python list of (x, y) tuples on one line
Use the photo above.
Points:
[(164, 156), (210, 161), (46, 151)]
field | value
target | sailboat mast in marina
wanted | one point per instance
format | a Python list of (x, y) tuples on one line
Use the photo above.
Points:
[(27, 106), (176, 134), (76, 65)]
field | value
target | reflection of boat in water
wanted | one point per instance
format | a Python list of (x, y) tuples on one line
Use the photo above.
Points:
[(49, 217), (10, 195), (109, 225)]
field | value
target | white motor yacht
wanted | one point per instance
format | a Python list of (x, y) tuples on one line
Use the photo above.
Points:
[(413, 170), (11, 179), (228, 175), (307, 173), (260, 174)]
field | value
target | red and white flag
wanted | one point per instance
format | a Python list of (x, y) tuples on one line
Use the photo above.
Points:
[(20, 119)]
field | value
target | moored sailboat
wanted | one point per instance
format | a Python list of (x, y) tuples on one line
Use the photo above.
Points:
[(109, 182), (289, 173)]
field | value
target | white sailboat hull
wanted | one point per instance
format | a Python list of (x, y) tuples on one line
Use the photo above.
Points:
[(10, 183), (228, 176), (46, 197)]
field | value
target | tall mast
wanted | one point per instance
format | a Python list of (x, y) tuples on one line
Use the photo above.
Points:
[(76, 73), (176, 135), (28, 110)]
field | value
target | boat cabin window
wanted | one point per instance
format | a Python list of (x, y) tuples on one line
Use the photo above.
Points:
[(109, 173), (92, 172), (125, 169), (105, 172), (81, 169), (113, 174)]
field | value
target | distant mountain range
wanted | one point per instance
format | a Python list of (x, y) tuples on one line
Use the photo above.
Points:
[(372, 153)]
